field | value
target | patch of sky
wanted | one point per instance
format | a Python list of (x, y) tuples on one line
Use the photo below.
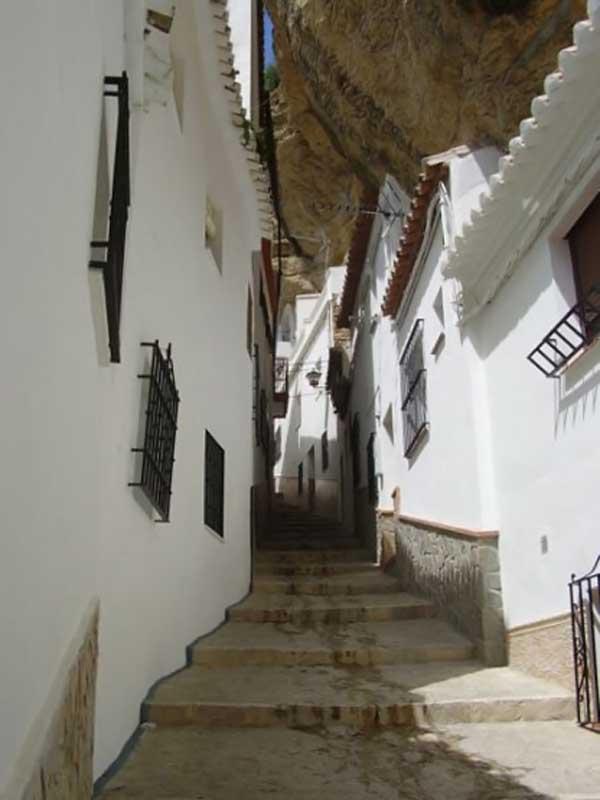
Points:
[(269, 50)]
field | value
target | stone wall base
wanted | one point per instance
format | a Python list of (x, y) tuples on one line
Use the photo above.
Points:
[(544, 649), (63, 770), (456, 569)]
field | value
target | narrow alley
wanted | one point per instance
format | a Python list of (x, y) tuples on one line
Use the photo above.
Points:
[(327, 679)]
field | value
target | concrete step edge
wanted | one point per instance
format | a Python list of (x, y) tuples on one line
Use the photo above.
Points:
[(418, 713), (226, 656)]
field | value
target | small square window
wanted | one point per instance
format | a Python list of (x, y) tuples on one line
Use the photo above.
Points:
[(213, 232), (214, 484)]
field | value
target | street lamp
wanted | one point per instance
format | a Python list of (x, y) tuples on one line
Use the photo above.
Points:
[(313, 377)]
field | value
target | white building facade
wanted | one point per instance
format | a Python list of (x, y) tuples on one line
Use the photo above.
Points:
[(306, 469), (482, 455), (94, 591)]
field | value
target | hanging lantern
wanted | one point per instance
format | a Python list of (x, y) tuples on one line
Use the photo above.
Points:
[(313, 377)]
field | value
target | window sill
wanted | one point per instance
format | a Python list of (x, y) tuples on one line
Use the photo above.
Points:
[(438, 345), (581, 355), (213, 260), (416, 444), (213, 533)]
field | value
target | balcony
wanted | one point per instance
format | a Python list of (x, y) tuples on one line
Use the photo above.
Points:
[(569, 337), (280, 388)]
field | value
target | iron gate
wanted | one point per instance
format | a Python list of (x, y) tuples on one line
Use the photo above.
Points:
[(585, 624)]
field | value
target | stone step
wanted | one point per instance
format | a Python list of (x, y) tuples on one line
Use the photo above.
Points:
[(308, 543), (338, 609), (322, 570), (324, 556), (405, 694), (359, 643), (521, 761), (352, 583)]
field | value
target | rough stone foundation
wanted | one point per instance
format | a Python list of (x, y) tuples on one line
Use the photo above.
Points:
[(458, 570), (64, 770)]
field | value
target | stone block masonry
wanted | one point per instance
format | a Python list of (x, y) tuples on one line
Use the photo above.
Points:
[(64, 768), (458, 570)]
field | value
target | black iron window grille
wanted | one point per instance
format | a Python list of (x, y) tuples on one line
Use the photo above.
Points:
[(265, 434), (256, 396), (569, 337), (324, 452), (584, 594), (414, 389), (214, 484), (300, 478), (355, 449), (114, 247), (158, 452), (371, 471)]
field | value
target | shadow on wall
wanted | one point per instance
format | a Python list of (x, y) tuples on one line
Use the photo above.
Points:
[(576, 392)]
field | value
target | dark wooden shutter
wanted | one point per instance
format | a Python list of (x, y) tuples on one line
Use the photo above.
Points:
[(584, 242)]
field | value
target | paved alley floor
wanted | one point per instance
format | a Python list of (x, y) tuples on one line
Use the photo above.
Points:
[(460, 762)]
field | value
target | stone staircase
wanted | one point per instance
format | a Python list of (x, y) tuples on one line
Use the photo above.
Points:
[(327, 639)]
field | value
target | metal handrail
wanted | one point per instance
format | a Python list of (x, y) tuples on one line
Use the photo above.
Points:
[(584, 594)]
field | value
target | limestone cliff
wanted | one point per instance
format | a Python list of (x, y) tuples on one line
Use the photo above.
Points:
[(372, 86)]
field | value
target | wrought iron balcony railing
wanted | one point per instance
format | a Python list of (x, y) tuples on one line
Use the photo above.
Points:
[(569, 337), (112, 265)]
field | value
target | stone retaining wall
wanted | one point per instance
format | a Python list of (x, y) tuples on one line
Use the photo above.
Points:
[(458, 570), (64, 769)]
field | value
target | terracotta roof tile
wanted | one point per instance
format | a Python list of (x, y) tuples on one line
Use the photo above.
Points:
[(356, 256), (412, 237)]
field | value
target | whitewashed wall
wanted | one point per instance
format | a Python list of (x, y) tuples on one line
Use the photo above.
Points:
[(545, 435), (310, 413), (442, 480), (72, 529)]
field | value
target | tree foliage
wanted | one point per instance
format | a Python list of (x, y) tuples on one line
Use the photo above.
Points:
[(271, 77)]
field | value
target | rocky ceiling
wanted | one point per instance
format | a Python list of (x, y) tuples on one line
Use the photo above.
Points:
[(372, 86)]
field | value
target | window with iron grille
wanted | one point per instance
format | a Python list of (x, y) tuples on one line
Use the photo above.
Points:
[(324, 452), (371, 471), (214, 484), (114, 246), (256, 396), (265, 432), (249, 322), (414, 389), (158, 452), (355, 448), (300, 478)]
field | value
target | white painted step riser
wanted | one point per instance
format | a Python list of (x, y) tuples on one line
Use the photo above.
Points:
[(364, 657), (543, 709)]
